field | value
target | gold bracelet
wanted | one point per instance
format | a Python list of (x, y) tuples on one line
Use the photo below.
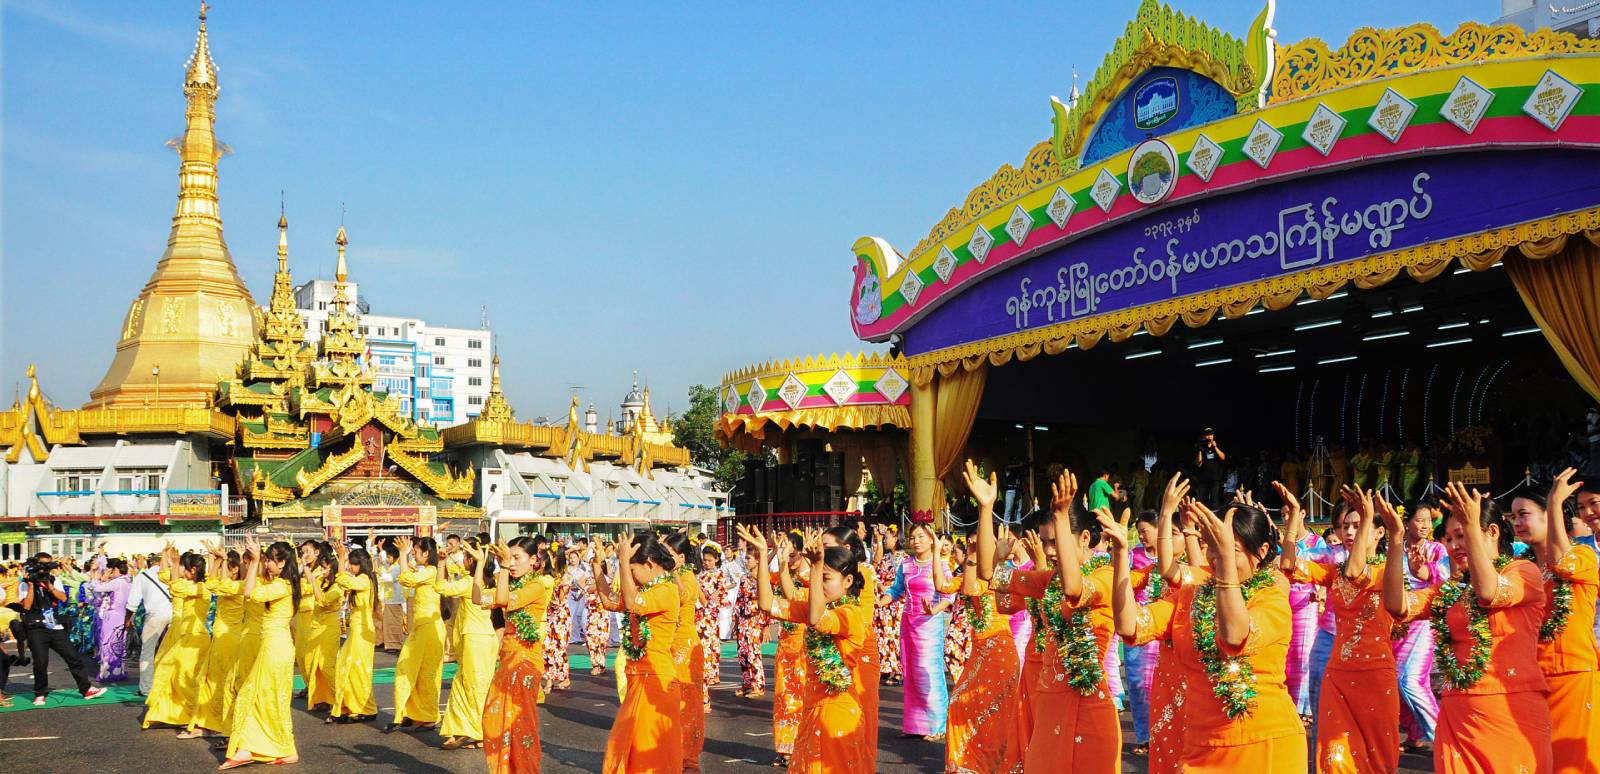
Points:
[(1221, 585)]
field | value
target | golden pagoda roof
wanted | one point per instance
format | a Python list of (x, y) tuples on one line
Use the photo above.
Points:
[(194, 319)]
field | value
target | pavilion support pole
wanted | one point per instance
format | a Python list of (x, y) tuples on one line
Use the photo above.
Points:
[(922, 478)]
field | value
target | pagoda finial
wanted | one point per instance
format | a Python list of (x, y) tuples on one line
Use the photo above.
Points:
[(283, 240), (341, 272), (201, 71)]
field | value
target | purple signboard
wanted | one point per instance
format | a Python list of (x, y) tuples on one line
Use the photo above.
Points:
[(1266, 232)]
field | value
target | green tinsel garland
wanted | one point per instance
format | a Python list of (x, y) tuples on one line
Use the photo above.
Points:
[(980, 611), (1154, 586), (822, 654), (1036, 615), (1457, 676), (787, 627), (1560, 608), (1232, 679), (1080, 656), (634, 647), (521, 620), (1373, 560)]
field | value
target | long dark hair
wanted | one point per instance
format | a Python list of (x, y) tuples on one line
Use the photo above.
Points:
[(232, 561), (848, 538), (843, 561), (1253, 529), (363, 562), (680, 544), (196, 564), (326, 560), (650, 547), (283, 552), (430, 551)]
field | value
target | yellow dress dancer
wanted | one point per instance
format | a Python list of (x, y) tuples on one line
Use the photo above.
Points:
[(261, 729), (214, 705), (176, 683), (418, 674), (352, 674), (322, 640), (476, 653)]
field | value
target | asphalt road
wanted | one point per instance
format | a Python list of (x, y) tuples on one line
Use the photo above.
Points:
[(573, 727)]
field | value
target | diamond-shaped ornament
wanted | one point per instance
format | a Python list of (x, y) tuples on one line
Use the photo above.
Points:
[(1323, 130), (911, 287), (1104, 191), (891, 385), (1262, 143), (1204, 157), (840, 387), (980, 244), (1019, 225), (792, 391), (1466, 104), (730, 400), (944, 264), (1060, 207), (756, 396), (1391, 115), (1552, 100)]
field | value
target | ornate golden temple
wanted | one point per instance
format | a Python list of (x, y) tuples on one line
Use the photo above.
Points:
[(218, 414)]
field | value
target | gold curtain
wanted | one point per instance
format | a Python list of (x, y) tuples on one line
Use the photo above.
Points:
[(852, 450), (955, 408), (883, 462), (1560, 285)]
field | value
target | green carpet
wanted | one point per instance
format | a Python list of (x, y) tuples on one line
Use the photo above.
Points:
[(128, 691)]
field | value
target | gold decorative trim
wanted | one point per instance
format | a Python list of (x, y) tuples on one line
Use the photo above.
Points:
[(1476, 252), (830, 419), (331, 468), (781, 367), (449, 486), (1308, 67)]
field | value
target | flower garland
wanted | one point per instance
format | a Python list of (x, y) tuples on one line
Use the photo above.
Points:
[(1080, 655), (1155, 586), (521, 620), (1457, 676), (980, 611), (634, 647), (1036, 615), (822, 652), (1232, 679), (1560, 608)]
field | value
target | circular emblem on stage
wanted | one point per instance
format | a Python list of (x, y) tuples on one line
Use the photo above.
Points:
[(1152, 171)]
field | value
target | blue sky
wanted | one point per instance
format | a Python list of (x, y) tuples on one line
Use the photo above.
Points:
[(672, 188)]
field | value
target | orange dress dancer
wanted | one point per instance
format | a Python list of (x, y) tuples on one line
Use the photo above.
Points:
[(982, 731), (870, 666), (645, 736), (689, 672), (789, 678), (1076, 727), (1167, 689), (511, 713), (1567, 654), (1032, 661), (1250, 731), (1358, 716), (834, 727), (1493, 716)]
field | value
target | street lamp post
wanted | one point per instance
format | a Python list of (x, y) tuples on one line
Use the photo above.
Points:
[(155, 371)]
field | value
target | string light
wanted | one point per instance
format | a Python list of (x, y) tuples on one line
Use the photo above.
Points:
[(1400, 408), (1427, 399), (1299, 394), (1383, 402), (1361, 401), (1455, 396)]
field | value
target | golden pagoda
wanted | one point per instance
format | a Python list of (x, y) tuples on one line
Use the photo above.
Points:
[(194, 320)]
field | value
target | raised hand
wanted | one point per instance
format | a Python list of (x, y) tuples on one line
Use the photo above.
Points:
[(1562, 488), (984, 490), (1390, 518), (1062, 490), (1466, 505), (625, 549), (404, 544), (753, 537), (1115, 530), (1177, 490)]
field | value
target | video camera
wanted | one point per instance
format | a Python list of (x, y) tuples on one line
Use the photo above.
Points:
[(39, 570)]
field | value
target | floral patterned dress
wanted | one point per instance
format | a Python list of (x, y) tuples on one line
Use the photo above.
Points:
[(958, 642), (749, 623), (714, 588), (886, 619), (596, 627), (557, 667)]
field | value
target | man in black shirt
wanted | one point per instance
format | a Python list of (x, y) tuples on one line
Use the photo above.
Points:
[(1208, 460)]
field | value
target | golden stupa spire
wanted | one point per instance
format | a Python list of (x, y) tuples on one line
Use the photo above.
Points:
[(495, 407), (341, 272), (283, 241), (342, 343), (194, 321)]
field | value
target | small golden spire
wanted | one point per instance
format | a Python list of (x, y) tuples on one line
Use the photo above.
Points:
[(201, 71), (283, 241), (341, 272)]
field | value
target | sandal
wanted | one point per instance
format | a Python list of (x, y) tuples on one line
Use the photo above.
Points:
[(284, 761), (599, 670), (234, 764), (5, 703), (453, 743), (780, 762), (1141, 749), (191, 734)]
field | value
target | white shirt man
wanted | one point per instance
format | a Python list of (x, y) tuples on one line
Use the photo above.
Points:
[(157, 600)]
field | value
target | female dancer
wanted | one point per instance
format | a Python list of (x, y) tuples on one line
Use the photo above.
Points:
[(1041, 556), (984, 733), (183, 649), (309, 554), (789, 669), (835, 730), (557, 667), (475, 657), (866, 597), (417, 673), (111, 610), (1303, 604), (1567, 652), (886, 618), (1357, 727), (922, 635), (1231, 636), (750, 626), (1427, 566), (597, 624), (352, 674), (958, 636), (214, 705), (322, 650), (1168, 686), (708, 617), (511, 715), (645, 736), (686, 652), (261, 728), (1486, 621)]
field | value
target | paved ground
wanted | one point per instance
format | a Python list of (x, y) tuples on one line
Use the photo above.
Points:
[(574, 725)]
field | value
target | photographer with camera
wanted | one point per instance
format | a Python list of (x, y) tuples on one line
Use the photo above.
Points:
[(1208, 474), (39, 592)]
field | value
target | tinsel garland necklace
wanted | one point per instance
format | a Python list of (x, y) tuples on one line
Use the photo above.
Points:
[(1036, 616), (1081, 659), (1560, 607), (784, 626), (1373, 560), (521, 619), (980, 611), (1458, 676), (634, 647), (1232, 679), (823, 657)]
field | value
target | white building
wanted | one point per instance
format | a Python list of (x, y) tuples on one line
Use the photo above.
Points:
[(440, 374), (1578, 18)]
